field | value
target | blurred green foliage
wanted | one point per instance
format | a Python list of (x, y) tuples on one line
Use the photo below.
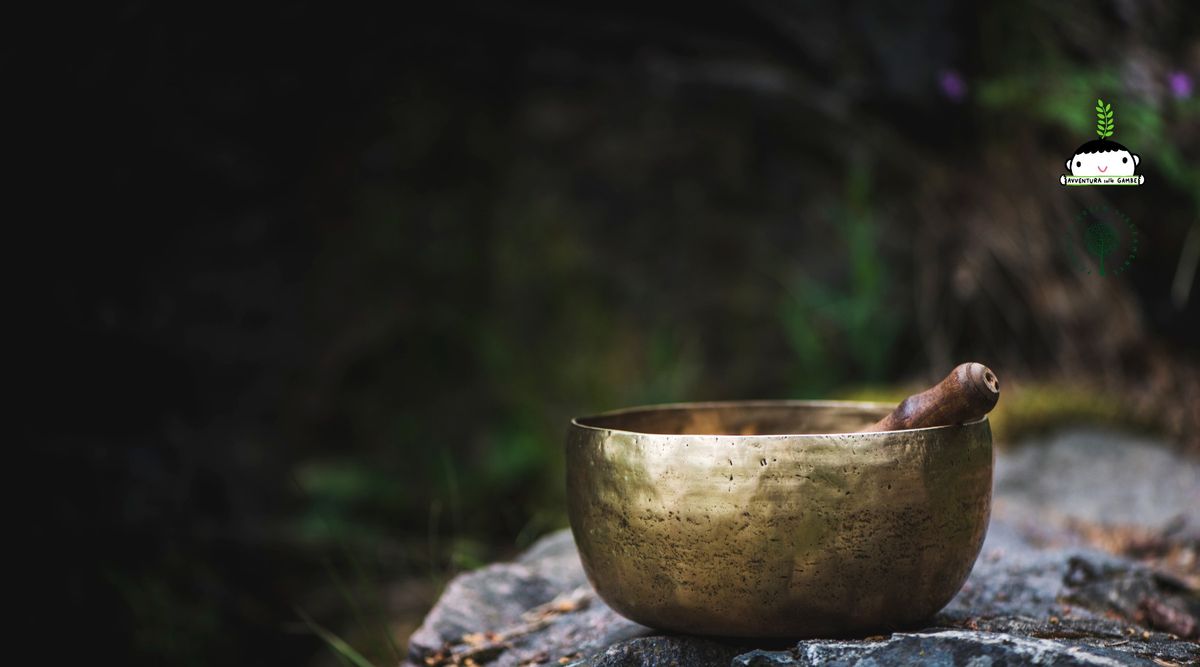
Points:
[(378, 281), (820, 317), (526, 304), (1061, 96)]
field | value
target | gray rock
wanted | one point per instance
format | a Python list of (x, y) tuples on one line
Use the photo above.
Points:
[(1037, 595), (538, 609), (491, 598), (946, 648), (1098, 476), (665, 651)]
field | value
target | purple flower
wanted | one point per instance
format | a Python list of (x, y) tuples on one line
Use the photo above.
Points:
[(953, 86), (1181, 84)]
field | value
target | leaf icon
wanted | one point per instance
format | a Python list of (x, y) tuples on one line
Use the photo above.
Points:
[(1104, 119)]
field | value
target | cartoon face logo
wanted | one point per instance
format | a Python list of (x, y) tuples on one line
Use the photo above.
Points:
[(1102, 157), (1103, 161)]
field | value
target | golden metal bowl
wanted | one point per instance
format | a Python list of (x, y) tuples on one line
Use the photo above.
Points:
[(774, 518)]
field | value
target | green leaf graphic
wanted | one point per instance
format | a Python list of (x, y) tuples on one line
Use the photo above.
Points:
[(1104, 119)]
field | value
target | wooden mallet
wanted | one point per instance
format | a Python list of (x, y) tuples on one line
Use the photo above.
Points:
[(969, 392)]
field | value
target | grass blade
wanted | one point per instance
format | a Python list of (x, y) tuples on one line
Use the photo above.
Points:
[(335, 642)]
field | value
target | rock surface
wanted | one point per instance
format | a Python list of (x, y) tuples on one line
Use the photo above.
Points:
[(1099, 476), (1090, 560)]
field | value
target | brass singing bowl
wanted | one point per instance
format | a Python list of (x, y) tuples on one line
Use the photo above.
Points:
[(774, 518)]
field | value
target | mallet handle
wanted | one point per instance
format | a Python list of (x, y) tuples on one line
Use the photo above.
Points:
[(966, 394)]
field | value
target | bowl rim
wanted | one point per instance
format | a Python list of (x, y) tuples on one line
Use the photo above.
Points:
[(575, 421)]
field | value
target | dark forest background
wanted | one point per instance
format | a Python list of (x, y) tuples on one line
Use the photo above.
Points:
[(312, 293)]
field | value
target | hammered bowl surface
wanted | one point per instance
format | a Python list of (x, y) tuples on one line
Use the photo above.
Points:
[(775, 518)]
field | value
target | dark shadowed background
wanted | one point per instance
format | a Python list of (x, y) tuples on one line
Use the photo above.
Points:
[(316, 292)]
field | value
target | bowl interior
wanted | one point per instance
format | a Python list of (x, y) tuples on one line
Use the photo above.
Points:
[(742, 418)]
